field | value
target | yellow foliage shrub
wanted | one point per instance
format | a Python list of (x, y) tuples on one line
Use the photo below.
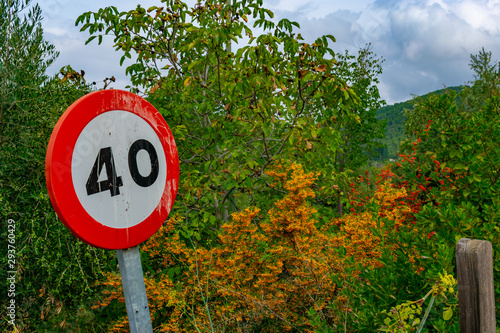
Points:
[(267, 271)]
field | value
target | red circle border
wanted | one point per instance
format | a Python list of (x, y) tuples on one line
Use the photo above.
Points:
[(58, 169)]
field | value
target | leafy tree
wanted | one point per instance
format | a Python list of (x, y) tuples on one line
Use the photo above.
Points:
[(448, 173), (360, 134), (487, 76), (453, 162), (24, 56), (395, 118), (233, 110), (53, 269), (460, 132)]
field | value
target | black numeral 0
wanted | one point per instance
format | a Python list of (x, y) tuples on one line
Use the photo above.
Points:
[(132, 163), (113, 183)]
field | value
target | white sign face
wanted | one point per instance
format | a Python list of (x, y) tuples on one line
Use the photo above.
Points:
[(118, 169)]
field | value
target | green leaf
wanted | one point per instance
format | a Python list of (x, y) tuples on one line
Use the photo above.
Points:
[(448, 313), (331, 38), (90, 39)]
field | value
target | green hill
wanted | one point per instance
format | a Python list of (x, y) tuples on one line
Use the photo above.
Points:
[(394, 116)]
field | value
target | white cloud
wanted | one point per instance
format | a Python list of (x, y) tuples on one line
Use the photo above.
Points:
[(426, 43), (436, 31), (316, 8), (55, 31), (481, 15)]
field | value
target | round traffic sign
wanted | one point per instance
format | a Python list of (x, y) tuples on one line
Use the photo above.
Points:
[(112, 169)]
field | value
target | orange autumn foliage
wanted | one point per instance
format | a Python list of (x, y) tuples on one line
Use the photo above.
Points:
[(268, 270), (356, 229)]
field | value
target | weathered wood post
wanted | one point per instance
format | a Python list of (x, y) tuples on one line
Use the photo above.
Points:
[(476, 295)]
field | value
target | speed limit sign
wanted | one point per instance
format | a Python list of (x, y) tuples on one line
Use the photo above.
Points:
[(112, 169)]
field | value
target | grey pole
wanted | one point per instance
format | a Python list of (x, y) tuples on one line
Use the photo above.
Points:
[(134, 290)]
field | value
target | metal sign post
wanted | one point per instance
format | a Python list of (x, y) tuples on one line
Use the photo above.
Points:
[(134, 290)]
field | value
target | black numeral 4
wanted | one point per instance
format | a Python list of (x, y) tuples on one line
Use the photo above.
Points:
[(113, 182)]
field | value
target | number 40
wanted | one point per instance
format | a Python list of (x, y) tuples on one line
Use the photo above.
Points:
[(113, 182)]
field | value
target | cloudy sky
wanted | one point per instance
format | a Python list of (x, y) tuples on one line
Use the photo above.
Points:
[(426, 44)]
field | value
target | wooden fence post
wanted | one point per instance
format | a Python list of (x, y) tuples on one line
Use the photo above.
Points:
[(476, 294)]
